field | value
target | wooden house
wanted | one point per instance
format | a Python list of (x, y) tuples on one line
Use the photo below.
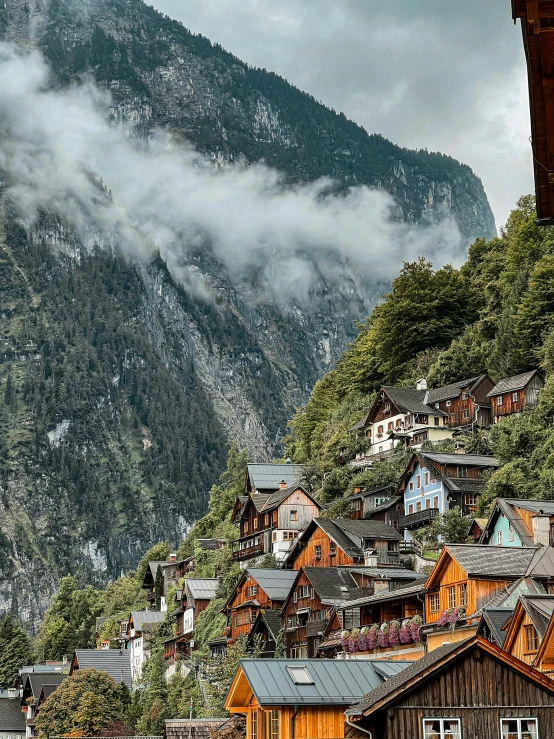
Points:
[(515, 394), (434, 482), (493, 624), (286, 699), (526, 627), (142, 624), (332, 542), (400, 415), (465, 402), (469, 689), (468, 576), (515, 522), (159, 577), (268, 478), (269, 522), (266, 628), (194, 598), (536, 24), (476, 529), (30, 694), (544, 661), (363, 504), (257, 590), (200, 728)]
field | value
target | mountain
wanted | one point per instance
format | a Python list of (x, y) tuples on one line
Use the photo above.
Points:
[(120, 380)]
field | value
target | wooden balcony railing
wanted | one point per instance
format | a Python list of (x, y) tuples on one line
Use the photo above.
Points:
[(418, 519), (316, 627), (246, 552)]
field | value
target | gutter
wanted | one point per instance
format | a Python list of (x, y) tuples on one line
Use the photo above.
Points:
[(293, 721), (358, 728)]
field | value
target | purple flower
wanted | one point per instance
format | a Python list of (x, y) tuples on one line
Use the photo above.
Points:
[(383, 635), (372, 636), (394, 635), (363, 639)]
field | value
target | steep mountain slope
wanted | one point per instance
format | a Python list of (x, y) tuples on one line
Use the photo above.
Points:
[(118, 385)]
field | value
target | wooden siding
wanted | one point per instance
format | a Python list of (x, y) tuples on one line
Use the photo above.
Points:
[(488, 688), (311, 722), (395, 609), (306, 511), (307, 557), (527, 397), (455, 407), (519, 646), (240, 597)]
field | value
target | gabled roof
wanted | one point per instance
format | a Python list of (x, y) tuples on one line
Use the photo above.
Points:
[(408, 400), (201, 588), (332, 584), (485, 562), (511, 384), (276, 584), (431, 664), (272, 621), (465, 460), (407, 590), (209, 545), (142, 619), (390, 503), (335, 682), (116, 662), (269, 476), (386, 572), (369, 493), (540, 609), (495, 619), (504, 506), (541, 507), (47, 691), (542, 564), (509, 597), (359, 425), (279, 496), (11, 717), (454, 389), (34, 682)]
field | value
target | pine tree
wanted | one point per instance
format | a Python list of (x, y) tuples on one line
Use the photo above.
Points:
[(15, 650)]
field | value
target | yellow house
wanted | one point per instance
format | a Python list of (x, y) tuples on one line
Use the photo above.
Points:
[(528, 627), (302, 699)]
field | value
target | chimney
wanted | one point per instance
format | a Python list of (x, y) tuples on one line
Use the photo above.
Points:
[(173, 557), (421, 384), (460, 447), (105, 644), (64, 659), (288, 460), (282, 484), (541, 529), (370, 558), (357, 489)]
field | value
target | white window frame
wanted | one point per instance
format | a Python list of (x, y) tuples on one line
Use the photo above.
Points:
[(519, 719), (511, 532), (441, 720), (448, 403), (499, 538), (515, 397), (500, 400)]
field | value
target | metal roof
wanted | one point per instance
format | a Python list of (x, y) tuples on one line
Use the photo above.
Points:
[(465, 460), (335, 682), (145, 617), (116, 662), (509, 597), (276, 584), (484, 560), (542, 564), (545, 507), (540, 609), (452, 390), (495, 618), (11, 718), (509, 384), (268, 476), (201, 588)]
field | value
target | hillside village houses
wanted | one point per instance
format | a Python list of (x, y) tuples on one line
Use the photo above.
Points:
[(364, 632)]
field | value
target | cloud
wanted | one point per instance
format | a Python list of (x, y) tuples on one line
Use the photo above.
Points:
[(437, 74), (60, 153)]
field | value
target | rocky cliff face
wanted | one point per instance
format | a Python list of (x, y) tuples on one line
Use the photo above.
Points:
[(119, 386)]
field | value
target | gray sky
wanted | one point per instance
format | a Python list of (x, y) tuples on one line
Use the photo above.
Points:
[(445, 75)]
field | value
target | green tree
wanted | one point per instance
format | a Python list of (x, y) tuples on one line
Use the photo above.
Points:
[(15, 650), (536, 311), (158, 553), (449, 527), (84, 704)]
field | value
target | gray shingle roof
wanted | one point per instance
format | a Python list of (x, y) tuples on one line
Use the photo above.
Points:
[(485, 561), (510, 384), (336, 682), (47, 690), (467, 460), (332, 583), (275, 583), (268, 476), (403, 591), (545, 507), (271, 619), (451, 391), (117, 663), (140, 618), (366, 529), (359, 424), (11, 718), (35, 681), (210, 544), (495, 618), (411, 671), (385, 506), (410, 400), (201, 588), (376, 491)]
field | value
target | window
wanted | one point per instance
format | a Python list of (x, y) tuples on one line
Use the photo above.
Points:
[(411, 486), (515, 397), (531, 639), (387, 407), (255, 523), (245, 527), (390, 426), (418, 481), (300, 675), (465, 413), (369, 544), (448, 403), (462, 591), (499, 400), (303, 591), (418, 505), (251, 590), (462, 471), (294, 515), (254, 725), (318, 551), (436, 501), (272, 724), (288, 535), (426, 479), (499, 538), (275, 517), (451, 593), (332, 549), (266, 523), (437, 421), (434, 603), (428, 503), (292, 621), (411, 508), (465, 395), (398, 423), (519, 728), (470, 500), (299, 651), (442, 728), (510, 532), (380, 431)]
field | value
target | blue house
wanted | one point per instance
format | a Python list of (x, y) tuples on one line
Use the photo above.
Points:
[(434, 482), (520, 523)]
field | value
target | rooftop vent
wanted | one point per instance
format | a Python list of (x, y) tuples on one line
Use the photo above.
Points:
[(421, 384)]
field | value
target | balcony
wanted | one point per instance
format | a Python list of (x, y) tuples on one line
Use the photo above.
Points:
[(317, 627), (418, 519), (241, 552)]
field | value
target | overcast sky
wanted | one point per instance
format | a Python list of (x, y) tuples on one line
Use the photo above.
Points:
[(438, 74)]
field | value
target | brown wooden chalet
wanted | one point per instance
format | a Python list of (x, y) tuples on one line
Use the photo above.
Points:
[(269, 522), (364, 504), (465, 402), (165, 573), (331, 542), (515, 394), (537, 24), (526, 627), (469, 689), (194, 598), (266, 628), (257, 590)]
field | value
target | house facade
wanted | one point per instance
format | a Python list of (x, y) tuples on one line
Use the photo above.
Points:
[(12, 719), (333, 542), (526, 628), (269, 522), (515, 394), (435, 482), (515, 522), (443, 696), (140, 626), (364, 503), (464, 403)]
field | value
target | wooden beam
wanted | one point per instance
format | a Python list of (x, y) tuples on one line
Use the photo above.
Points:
[(533, 17)]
